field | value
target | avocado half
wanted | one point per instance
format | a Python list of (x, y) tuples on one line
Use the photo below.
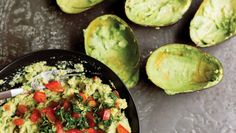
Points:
[(156, 13), (110, 40), (214, 22), (179, 68), (76, 6)]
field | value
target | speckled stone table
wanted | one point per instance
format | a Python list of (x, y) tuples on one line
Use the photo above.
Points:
[(30, 25)]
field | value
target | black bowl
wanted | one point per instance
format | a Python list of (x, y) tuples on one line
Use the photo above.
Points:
[(92, 67)]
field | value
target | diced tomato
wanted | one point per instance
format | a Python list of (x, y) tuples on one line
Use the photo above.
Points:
[(6, 107), (91, 102), (18, 121), (66, 105), (75, 115), (100, 131), (121, 129), (90, 118), (83, 96), (39, 96), (95, 77), (54, 86), (50, 114), (59, 127), (74, 131), (117, 104), (105, 114), (90, 130), (35, 115), (22, 108)]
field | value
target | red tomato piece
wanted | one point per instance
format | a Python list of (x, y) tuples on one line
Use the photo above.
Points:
[(90, 130), (117, 104), (83, 97), (50, 114), (100, 131), (59, 128), (39, 97), (54, 86), (90, 118), (18, 121), (22, 108), (6, 107), (105, 114), (121, 129), (74, 131), (66, 104), (75, 115), (91, 102), (35, 115)]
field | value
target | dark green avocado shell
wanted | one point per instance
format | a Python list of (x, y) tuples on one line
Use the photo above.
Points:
[(156, 13), (179, 68), (76, 6), (110, 40), (214, 22)]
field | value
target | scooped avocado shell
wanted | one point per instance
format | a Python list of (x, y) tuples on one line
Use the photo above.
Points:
[(214, 22), (179, 68), (156, 12), (110, 40), (76, 6)]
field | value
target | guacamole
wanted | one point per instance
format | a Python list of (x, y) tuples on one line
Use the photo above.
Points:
[(70, 103)]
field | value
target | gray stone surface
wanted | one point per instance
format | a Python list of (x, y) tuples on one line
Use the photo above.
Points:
[(30, 25)]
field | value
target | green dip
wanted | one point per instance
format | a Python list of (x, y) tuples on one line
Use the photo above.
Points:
[(74, 103)]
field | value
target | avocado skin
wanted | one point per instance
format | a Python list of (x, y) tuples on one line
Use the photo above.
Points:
[(76, 6), (156, 13), (214, 22), (110, 40), (179, 68)]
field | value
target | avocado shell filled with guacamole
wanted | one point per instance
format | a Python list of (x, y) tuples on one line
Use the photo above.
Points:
[(179, 68), (156, 13), (110, 40), (214, 22), (76, 6)]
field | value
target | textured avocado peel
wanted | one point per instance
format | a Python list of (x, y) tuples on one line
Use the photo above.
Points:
[(76, 6), (156, 13), (179, 68), (214, 22), (110, 40)]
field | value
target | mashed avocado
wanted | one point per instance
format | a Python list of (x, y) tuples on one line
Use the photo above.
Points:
[(65, 104)]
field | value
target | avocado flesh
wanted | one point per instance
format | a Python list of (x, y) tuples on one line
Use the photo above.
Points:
[(76, 6), (179, 68), (110, 40), (214, 22), (156, 13)]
